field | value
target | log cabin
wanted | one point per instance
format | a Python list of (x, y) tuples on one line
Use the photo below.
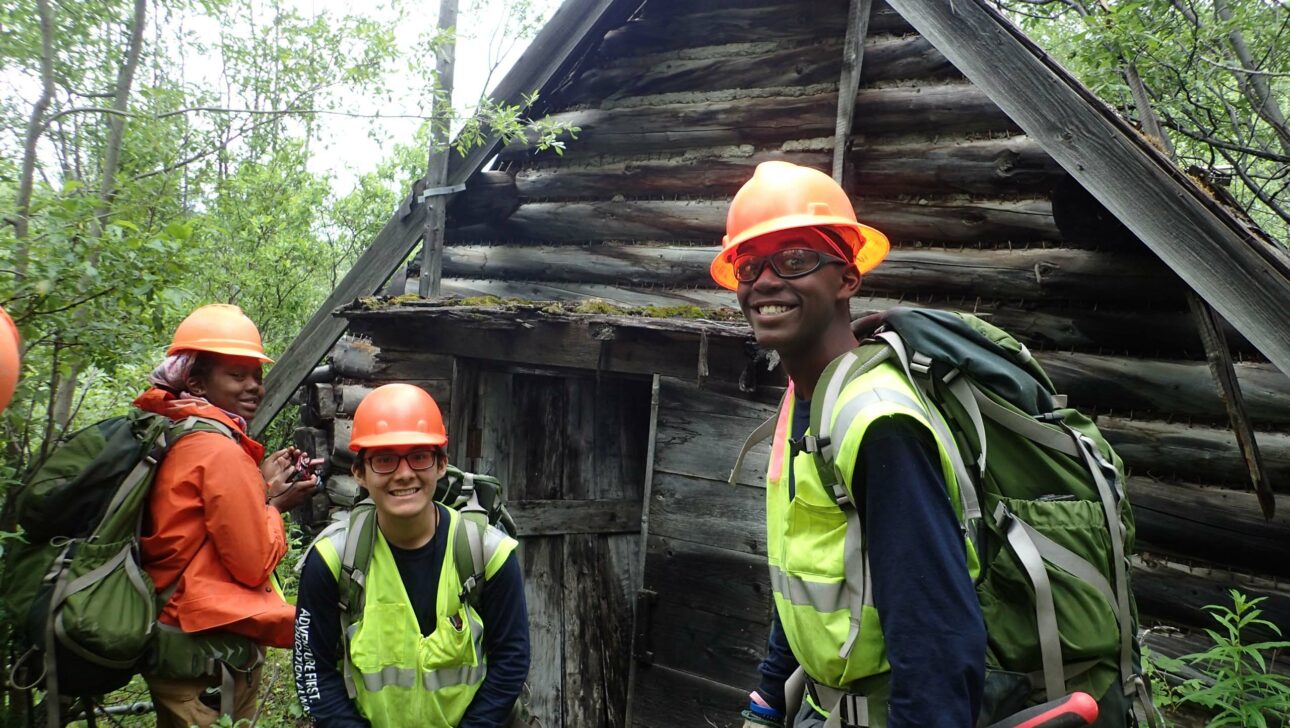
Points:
[(585, 358)]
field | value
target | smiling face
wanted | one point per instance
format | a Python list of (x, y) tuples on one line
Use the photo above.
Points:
[(792, 315), (232, 383), (404, 493)]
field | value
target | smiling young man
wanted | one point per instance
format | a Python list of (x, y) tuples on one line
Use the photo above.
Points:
[(417, 653), (213, 532), (873, 597)]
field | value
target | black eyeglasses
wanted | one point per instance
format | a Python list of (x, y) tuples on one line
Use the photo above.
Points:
[(384, 463), (788, 263)]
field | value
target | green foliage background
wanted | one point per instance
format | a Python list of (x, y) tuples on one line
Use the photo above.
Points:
[(215, 194)]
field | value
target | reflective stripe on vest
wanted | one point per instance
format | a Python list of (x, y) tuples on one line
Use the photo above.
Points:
[(404, 678), (819, 570)]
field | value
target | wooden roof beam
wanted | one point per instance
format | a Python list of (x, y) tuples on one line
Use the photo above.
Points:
[(849, 83), (1194, 236)]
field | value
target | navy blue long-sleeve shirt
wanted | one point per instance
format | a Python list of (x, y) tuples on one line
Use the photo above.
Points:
[(927, 605), (502, 608)]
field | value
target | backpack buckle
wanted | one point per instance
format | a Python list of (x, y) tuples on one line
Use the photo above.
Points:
[(808, 443), (920, 363)]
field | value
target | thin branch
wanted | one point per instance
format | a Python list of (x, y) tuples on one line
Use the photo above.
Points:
[(68, 307), (1201, 136), (1255, 189), (1246, 71)]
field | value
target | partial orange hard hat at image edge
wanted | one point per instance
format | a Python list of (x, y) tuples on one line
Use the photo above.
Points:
[(10, 347), (783, 196), (397, 414), (219, 328)]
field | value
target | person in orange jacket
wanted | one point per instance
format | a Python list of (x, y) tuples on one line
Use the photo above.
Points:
[(10, 345), (213, 532)]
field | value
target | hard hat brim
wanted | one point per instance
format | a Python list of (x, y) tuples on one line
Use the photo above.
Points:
[(396, 439), (867, 257), (229, 350)]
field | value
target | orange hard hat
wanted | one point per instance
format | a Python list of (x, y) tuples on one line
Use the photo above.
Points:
[(397, 414), (219, 328), (784, 196), (10, 343)]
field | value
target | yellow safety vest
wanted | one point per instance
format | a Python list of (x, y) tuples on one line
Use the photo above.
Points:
[(819, 571), (402, 677)]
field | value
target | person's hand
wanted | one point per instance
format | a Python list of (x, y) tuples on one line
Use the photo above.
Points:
[(276, 463), (285, 488), (752, 720), (759, 713)]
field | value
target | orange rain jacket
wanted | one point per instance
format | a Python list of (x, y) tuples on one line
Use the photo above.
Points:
[(209, 528)]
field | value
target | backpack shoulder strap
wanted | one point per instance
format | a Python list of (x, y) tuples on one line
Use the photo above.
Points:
[(193, 423), (475, 545), (360, 543), (469, 558)]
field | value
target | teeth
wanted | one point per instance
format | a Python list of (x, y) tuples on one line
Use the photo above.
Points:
[(772, 309), (404, 491)]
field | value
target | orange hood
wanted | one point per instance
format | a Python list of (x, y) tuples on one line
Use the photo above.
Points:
[(159, 401)]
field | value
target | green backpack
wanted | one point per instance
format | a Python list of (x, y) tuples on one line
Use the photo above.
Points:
[(1043, 502), (85, 613), (481, 500)]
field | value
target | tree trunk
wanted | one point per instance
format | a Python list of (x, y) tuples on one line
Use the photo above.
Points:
[(65, 391), (1255, 86), (35, 128)]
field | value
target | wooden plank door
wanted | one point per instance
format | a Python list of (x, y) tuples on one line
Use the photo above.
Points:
[(570, 449), (703, 613)]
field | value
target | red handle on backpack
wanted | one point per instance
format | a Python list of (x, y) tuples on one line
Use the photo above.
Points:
[(1072, 711)]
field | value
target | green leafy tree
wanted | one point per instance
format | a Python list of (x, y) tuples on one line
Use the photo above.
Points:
[(1216, 73)]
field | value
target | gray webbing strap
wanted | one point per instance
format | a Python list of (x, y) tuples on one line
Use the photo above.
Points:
[(89, 579), (961, 391), (1110, 509), (140, 471), (855, 564), (1027, 427), (764, 431), (475, 537), (848, 370), (52, 697), (832, 390), (1050, 646), (1069, 672), (226, 688), (846, 710), (1143, 703), (1073, 564), (968, 500), (354, 593), (794, 688)]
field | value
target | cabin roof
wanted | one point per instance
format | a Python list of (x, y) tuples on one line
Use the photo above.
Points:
[(1214, 249)]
